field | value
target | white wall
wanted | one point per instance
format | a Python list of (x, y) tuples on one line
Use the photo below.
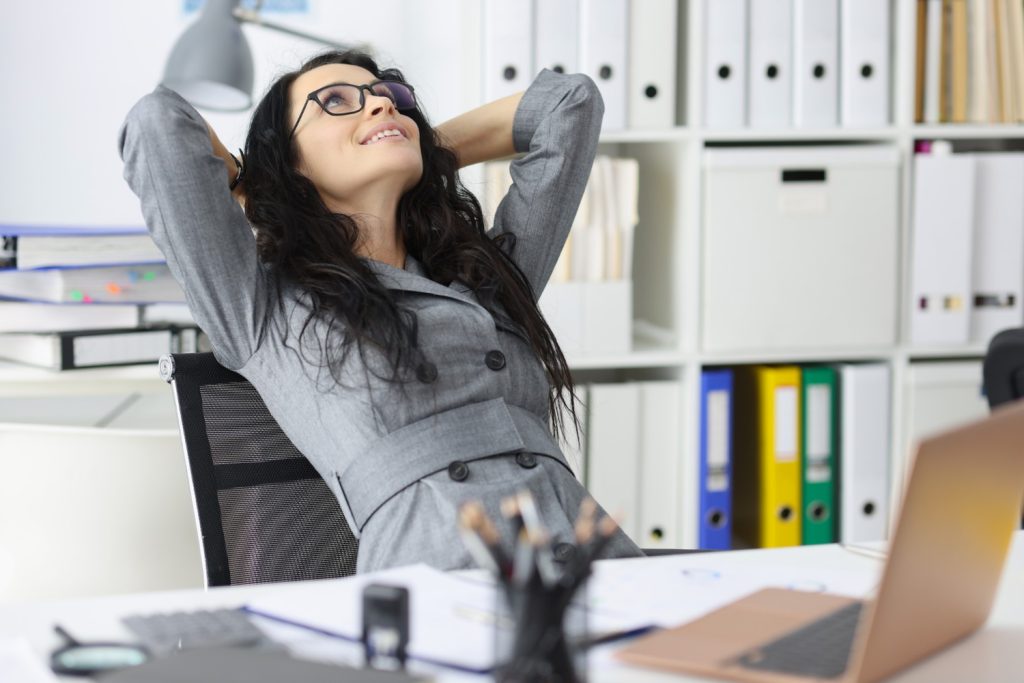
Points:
[(72, 70)]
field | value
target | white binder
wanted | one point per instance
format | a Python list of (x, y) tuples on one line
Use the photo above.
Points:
[(507, 47), (815, 63), (613, 459), (604, 30), (652, 64), (557, 36), (725, 63), (997, 274), (864, 453), (660, 475), (941, 248), (771, 63), (864, 62)]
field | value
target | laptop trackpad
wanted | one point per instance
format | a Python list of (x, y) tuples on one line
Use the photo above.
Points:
[(712, 643)]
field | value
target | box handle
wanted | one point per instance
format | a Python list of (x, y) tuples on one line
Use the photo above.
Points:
[(803, 175)]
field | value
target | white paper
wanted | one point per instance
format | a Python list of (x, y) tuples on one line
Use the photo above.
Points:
[(445, 613), (691, 586), (452, 615), (19, 663)]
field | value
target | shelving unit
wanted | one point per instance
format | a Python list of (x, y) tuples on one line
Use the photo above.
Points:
[(669, 242)]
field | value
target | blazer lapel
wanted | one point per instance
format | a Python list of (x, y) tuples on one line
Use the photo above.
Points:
[(413, 279)]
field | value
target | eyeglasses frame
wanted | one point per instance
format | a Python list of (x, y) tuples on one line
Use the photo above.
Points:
[(363, 89)]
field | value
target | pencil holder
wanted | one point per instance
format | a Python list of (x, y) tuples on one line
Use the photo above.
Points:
[(541, 632)]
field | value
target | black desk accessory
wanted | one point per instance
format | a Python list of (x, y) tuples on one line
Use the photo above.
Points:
[(385, 626), (538, 638)]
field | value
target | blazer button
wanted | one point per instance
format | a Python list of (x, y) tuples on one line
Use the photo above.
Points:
[(458, 471), (426, 372), (495, 360), (564, 552), (526, 460)]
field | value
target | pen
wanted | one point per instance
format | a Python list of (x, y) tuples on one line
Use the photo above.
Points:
[(468, 520), (538, 537)]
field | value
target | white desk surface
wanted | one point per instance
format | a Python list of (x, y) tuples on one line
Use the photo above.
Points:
[(993, 654), (22, 380)]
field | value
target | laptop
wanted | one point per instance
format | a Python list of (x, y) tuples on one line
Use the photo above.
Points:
[(961, 506)]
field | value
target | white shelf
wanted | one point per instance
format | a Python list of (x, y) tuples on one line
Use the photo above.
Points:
[(671, 219), (643, 355), (955, 131), (925, 353), (798, 135), (678, 134), (795, 356)]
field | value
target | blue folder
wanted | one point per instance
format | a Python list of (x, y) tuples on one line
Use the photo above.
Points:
[(716, 417)]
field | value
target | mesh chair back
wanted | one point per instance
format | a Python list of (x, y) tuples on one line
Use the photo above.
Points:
[(1004, 367), (264, 513)]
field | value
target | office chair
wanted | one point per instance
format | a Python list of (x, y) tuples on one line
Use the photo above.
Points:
[(263, 511), (88, 511), (1003, 370)]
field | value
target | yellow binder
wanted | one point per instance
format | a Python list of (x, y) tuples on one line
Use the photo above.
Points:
[(766, 481)]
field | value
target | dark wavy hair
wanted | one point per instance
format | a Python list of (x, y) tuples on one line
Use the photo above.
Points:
[(304, 244)]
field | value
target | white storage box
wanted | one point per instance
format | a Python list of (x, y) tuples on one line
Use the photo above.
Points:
[(800, 248), (590, 318)]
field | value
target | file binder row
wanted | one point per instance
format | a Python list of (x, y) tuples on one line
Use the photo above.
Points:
[(628, 47), (629, 459), (792, 455), (810, 63), (967, 276), (970, 61), (589, 300)]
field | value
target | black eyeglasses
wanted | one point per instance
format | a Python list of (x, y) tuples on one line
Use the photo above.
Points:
[(340, 99)]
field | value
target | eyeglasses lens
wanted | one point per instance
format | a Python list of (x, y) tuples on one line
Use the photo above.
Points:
[(399, 93), (340, 99), (344, 99)]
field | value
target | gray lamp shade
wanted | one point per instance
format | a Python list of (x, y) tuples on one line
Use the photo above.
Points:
[(211, 64)]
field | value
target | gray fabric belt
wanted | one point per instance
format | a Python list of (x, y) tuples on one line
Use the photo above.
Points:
[(405, 456)]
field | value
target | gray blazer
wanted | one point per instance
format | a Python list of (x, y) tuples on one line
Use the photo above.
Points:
[(400, 459)]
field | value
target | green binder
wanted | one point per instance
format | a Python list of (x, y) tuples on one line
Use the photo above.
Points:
[(820, 420)]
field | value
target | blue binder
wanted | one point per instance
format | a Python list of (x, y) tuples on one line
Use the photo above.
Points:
[(716, 410)]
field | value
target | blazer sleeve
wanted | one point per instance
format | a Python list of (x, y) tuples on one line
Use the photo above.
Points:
[(209, 246), (557, 125)]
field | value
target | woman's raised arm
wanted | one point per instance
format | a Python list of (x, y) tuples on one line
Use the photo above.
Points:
[(556, 125), (230, 164), (173, 164), (482, 134)]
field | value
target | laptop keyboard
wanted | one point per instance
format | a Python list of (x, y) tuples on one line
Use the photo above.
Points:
[(821, 649), (163, 634)]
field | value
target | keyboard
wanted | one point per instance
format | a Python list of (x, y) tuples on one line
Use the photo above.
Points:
[(163, 634), (821, 649)]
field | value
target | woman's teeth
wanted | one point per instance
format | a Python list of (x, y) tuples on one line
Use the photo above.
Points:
[(381, 135)]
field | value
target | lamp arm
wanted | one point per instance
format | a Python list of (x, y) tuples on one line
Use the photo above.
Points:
[(248, 16)]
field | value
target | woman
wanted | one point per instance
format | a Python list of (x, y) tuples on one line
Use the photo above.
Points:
[(397, 345)]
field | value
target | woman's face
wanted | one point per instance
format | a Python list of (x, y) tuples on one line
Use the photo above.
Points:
[(342, 155)]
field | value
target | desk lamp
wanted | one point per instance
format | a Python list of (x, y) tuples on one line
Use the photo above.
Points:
[(211, 64)]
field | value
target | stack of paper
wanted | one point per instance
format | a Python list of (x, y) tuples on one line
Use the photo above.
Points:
[(77, 297)]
